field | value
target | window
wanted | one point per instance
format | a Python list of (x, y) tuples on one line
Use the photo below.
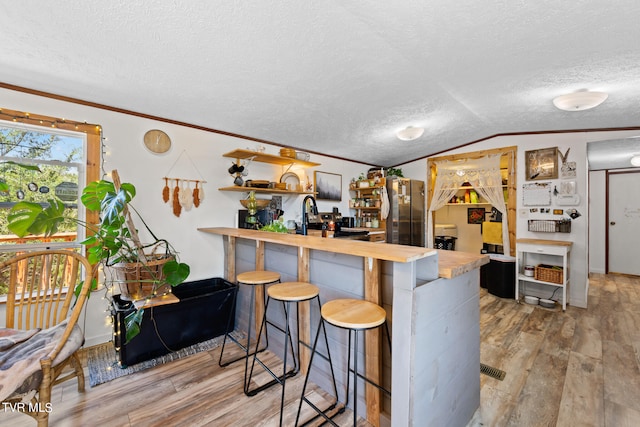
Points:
[(68, 155)]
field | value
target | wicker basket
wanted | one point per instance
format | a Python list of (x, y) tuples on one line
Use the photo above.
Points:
[(138, 281), (548, 273)]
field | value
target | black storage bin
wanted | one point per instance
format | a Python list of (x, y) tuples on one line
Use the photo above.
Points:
[(202, 314), (500, 276), (445, 242), (484, 272)]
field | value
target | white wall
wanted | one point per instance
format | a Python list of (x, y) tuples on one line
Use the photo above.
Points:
[(579, 235), (194, 154)]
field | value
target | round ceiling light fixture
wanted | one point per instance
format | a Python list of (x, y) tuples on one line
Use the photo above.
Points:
[(579, 101), (410, 133), (635, 160)]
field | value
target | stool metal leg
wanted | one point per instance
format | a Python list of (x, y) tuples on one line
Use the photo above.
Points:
[(355, 378), (288, 341), (239, 344), (353, 336), (320, 412)]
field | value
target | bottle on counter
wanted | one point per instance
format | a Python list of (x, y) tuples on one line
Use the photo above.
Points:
[(368, 221)]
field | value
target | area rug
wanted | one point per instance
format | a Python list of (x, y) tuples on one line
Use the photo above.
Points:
[(103, 363)]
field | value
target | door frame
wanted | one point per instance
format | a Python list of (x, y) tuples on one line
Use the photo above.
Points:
[(606, 230), (508, 160)]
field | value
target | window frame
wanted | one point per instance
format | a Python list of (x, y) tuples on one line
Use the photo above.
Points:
[(91, 162)]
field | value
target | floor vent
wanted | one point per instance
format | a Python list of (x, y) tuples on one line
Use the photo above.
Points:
[(492, 372)]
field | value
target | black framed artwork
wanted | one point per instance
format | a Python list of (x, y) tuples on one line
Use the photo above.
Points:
[(475, 215), (328, 186)]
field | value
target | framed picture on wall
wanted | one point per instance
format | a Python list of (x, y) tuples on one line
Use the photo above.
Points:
[(328, 186), (541, 164), (475, 215)]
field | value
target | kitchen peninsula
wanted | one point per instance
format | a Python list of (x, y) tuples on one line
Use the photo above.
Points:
[(434, 372)]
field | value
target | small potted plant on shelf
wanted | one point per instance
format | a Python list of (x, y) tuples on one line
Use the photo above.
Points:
[(363, 182), (142, 271)]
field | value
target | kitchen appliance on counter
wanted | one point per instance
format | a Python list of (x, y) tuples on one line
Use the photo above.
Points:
[(316, 221), (405, 223), (262, 217)]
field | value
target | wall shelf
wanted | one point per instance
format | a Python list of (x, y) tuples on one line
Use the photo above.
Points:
[(267, 158), (263, 190), (367, 193)]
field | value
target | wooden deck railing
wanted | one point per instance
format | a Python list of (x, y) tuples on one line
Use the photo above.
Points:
[(6, 239)]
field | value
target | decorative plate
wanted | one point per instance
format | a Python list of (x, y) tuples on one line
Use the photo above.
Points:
[(292, 179)]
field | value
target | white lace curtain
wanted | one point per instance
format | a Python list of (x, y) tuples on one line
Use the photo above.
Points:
[(484, 176)]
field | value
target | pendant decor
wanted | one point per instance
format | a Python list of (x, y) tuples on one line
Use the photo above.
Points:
[(180, 192)]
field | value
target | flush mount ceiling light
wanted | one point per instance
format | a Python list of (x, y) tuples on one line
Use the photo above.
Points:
[(635, 160), (410, 133), (579, 101)]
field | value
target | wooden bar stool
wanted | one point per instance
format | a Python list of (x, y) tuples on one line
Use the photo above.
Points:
[(253, 279), (355, 315), (287, 293)]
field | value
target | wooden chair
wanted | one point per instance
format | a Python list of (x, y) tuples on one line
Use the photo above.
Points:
[(41, 295)]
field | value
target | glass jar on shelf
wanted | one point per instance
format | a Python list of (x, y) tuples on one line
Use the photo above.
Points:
[(375, 223)]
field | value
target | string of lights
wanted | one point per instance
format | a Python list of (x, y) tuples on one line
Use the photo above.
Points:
[(59, 123)]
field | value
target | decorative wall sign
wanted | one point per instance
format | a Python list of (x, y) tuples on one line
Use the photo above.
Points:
[(568, 170), (567, 187), (541, 164)]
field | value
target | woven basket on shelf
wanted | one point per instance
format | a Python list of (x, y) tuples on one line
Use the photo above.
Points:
[(138, 281), (548, 273)]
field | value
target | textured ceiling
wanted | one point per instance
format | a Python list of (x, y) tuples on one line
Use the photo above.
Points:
[(335, 77)]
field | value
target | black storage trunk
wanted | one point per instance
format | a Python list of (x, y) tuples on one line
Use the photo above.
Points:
[(202, 314), (499, 276)]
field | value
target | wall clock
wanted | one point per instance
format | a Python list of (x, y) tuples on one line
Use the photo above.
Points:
[(157, 141)]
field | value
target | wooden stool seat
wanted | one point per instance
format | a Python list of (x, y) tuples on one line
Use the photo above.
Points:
[(259, 277), (353, 313), (293, 291)]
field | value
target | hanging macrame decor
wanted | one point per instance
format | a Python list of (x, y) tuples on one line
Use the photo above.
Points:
[(182, 196)]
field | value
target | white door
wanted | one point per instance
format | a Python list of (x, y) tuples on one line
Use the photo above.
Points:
[(624, 223)]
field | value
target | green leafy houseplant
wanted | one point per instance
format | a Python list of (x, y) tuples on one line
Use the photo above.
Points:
[(395, 172), (275, 227), (113, 242)]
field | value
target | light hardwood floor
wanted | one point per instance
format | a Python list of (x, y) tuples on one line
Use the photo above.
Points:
[(578, 368)]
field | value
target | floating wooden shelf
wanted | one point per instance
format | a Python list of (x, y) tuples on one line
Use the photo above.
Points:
[(263, 190), (267, 158)]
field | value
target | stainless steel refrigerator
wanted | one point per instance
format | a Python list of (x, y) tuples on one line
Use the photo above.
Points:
[(405, 222)]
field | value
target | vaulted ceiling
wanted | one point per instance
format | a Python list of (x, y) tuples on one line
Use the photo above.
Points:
[(335, 77)]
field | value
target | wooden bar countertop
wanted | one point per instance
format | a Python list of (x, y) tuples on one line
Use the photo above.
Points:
[(450, 263)]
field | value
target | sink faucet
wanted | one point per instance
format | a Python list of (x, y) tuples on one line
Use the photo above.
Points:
[(305, 218)]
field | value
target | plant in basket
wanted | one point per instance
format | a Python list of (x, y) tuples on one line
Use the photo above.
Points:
[(142, 271)]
